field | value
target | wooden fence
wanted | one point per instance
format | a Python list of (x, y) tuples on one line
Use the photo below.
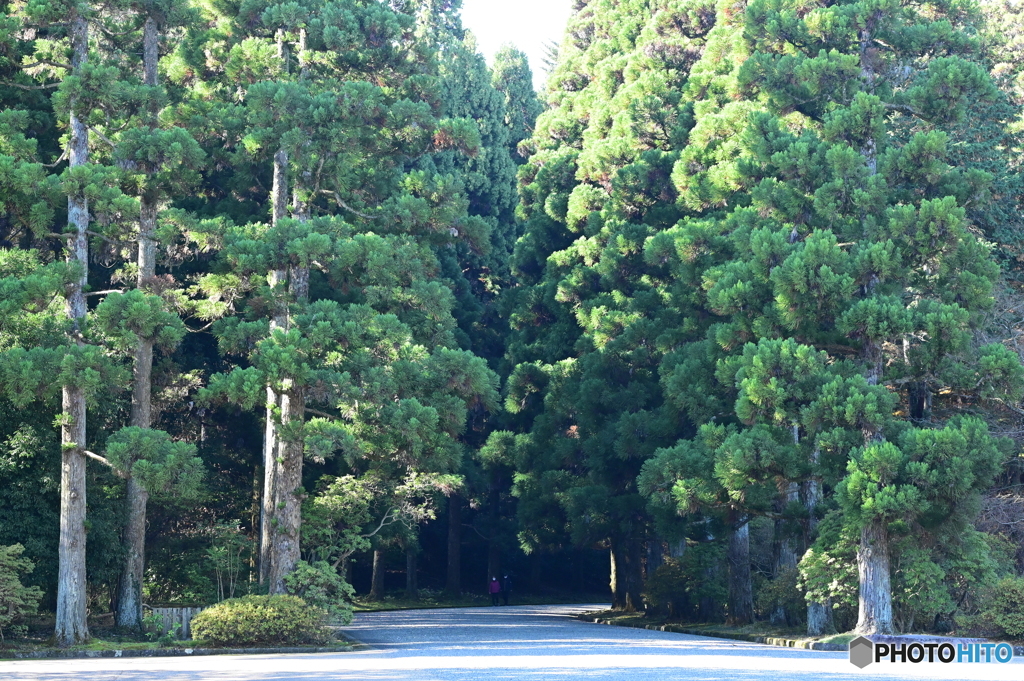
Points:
[(180, 616)]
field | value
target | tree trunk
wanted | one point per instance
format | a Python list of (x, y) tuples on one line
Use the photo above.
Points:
[(71, 626), (618, 598), (919, 398), (129, 610), (411, 584), (453, 583), (655, 555), (875, 611), (288, 502), (819, 615), (377, 581), (276, 279), (285, 551), (129, 599), (741, 598), (269, 484), (784, 548), (626, 573)]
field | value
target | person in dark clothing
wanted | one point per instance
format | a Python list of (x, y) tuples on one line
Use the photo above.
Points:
[(506, 589), (495, 588)]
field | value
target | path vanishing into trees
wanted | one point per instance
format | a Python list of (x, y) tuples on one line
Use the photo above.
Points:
[(525, 643)]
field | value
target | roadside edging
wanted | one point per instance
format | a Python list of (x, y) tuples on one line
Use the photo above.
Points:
[(804, 644), (176, 652), (736, 636)]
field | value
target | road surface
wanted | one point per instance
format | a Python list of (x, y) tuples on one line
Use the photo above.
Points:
[(525, 643)]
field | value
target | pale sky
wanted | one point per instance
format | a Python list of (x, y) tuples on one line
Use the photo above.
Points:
[(527, 24)]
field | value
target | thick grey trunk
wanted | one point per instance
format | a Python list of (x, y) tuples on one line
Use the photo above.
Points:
[(71, 626), (453, 582), (284, 553), (129, 599), (150, 54), (741, 596), (875, 611), (785, 550), (285, 546), (377, 580), (819, 615), (276, 279), (626, 579), (269, 484)]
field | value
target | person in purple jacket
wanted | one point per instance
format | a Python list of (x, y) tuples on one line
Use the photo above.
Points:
[(495, 589)]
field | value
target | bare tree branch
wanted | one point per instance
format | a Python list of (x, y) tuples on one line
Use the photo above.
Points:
[(29, 87)]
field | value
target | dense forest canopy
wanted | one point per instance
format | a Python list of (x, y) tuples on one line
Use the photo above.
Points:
[(306, 298)]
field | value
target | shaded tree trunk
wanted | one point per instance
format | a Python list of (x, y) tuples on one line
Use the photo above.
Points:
[(875, 604), (285, 552), (411, 583), (276, 279), (784, 548), (741, 597), (920, 401), (129, 600), (655, 556), (71, 626), (453, 582), (819, 615), (377, 581), (626, 573)]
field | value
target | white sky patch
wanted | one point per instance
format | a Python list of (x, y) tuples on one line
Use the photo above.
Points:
[(527, 24)]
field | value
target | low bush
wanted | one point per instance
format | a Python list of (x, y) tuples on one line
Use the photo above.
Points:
[(320, 585), (1000, 611), (262, 621), (16, 600)]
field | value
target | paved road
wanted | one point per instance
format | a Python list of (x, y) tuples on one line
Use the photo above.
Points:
[(542, 643)]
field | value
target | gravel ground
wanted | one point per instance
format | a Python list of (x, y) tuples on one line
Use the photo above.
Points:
[(530, 643)]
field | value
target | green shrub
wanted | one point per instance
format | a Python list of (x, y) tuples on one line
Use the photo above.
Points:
[(781, 595), (320, 585), (1001, 611), (261, 620), (16, 600)]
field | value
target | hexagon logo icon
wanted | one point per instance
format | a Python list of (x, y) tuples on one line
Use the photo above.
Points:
[(862, 652)]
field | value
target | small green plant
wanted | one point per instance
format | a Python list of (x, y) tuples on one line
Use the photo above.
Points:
[(320, 585), (227, 552), (152, 626), (16, 600), (262, 620), (170, 636)]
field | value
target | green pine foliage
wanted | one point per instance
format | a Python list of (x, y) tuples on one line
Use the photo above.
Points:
[(745, 276)]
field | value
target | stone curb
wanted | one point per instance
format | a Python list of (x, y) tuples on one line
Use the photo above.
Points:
[(804, 644), (751, 638), (176, 652)]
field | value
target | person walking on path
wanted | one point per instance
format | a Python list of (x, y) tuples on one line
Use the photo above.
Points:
[(506, 589), (495, 589)]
